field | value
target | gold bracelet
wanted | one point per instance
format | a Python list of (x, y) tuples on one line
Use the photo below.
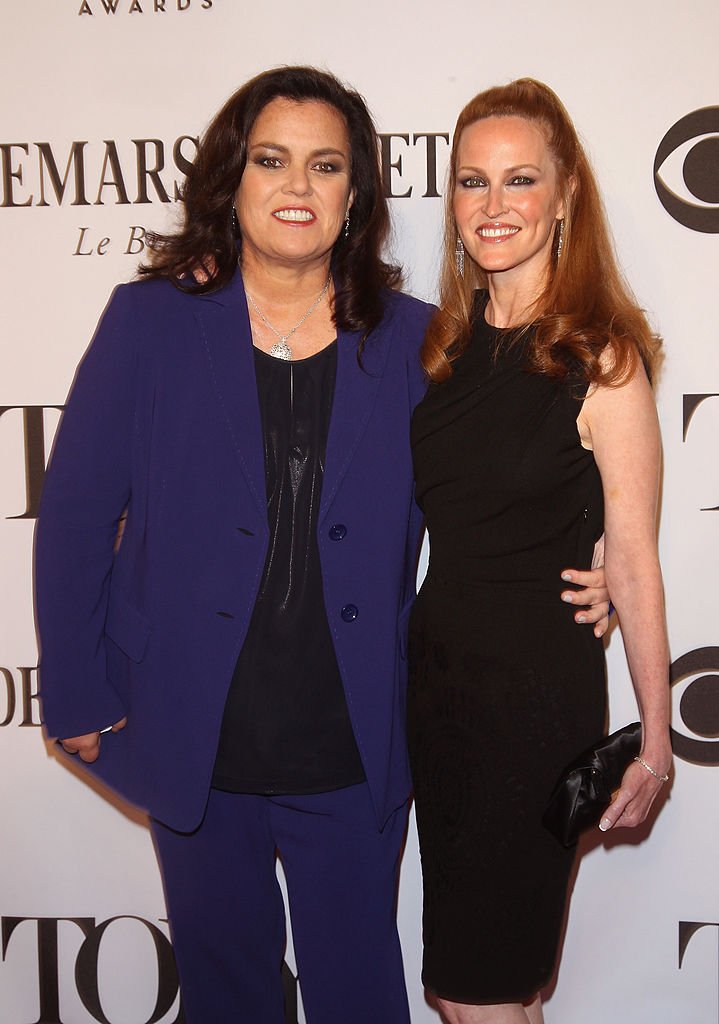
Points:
[(643, 763)]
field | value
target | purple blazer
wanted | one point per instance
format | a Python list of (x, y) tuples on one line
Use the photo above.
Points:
[(163, 420)]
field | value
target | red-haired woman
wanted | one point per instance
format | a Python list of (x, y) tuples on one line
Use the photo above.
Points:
[(538, 433)]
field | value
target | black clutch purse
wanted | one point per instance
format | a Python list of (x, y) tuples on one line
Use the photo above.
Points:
[(585, 787)]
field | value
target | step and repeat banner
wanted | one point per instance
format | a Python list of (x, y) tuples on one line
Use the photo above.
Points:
[(102, 105)]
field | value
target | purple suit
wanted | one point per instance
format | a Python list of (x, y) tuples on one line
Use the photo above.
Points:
[(164, 420)]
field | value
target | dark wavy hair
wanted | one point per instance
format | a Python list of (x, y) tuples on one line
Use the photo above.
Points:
[(207, 238)]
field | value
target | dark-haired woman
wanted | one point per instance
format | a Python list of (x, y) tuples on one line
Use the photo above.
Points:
[(249, 629), (539, 432)]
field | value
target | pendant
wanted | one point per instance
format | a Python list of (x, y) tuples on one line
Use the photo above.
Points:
[(281, 350)]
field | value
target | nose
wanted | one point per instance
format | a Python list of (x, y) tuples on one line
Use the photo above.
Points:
[(298, 180), (494, 203)]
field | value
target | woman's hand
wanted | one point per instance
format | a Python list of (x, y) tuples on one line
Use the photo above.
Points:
[(631, 802), (594, 595), (88, 745)]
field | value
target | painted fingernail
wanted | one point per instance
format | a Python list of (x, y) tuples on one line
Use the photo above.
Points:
[(581, 618), (567, 576), (605, 824), (568, 598)]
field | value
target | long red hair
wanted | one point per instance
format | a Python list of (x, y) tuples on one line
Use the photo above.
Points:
[(586, 308)]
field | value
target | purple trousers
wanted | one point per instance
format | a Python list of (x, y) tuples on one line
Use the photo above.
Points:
[(227, 916)]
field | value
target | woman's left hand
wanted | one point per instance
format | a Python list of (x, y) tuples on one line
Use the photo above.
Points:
[(631, 802), (594, 597)]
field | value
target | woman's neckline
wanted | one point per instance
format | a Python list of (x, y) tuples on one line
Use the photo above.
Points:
[(482, 315), (296, 362)]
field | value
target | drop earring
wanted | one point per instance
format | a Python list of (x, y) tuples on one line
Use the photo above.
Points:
[(235, 223), (560, 240), (347, 225), (459, 256)]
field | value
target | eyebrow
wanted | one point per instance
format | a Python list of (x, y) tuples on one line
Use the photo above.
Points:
[(508, 170), (326, 151)]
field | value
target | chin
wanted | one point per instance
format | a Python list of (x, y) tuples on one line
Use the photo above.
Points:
[(496, 265)]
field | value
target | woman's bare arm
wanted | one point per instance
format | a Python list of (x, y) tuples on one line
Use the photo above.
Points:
[(621, 423)]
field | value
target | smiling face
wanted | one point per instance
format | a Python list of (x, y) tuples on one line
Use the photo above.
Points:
[(295, 190), (506, 199)]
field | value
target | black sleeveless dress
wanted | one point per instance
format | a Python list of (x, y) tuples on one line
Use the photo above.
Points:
[(505, 688)]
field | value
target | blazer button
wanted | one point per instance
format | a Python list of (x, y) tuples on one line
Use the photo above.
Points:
[(349, 613), (338, 531)]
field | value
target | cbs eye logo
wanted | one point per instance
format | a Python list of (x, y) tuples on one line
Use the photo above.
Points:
[(695, 679), (688, 159)]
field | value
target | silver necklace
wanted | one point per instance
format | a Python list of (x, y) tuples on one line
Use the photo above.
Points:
[(281, 350)]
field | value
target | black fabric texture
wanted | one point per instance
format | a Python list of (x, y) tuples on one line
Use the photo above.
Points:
[(286, 727), (505, 688)]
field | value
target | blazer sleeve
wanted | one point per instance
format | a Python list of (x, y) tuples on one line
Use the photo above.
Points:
[(87, 488), (415, 329)]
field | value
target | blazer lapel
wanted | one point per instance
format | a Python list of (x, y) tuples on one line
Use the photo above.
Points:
[(356, 390), (225, 333)]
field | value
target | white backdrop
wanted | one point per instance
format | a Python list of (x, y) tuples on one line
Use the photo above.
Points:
[(80, 893)]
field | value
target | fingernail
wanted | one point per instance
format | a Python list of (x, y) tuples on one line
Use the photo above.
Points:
[(605, 824), (567, 576), (581, 618), (567, 597)]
